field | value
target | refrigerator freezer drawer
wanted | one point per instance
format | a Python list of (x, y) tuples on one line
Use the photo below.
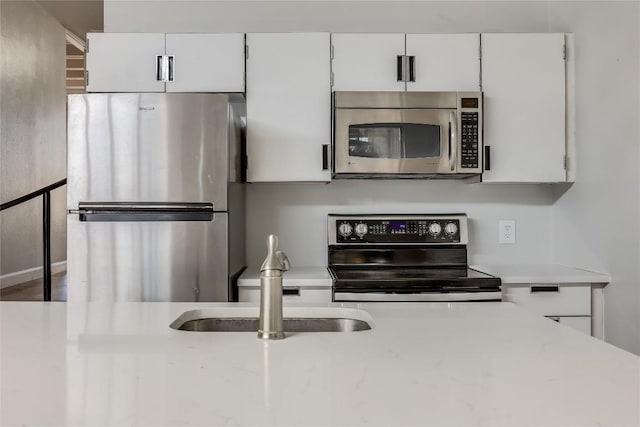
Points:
[(148, 261)]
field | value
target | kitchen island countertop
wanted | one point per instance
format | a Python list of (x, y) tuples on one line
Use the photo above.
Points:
[(422, 364)]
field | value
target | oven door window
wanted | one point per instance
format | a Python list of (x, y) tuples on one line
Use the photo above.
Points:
[(394, 141)]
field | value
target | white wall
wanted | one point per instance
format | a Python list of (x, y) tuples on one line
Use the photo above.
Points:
[(568, 224), (304, 15), (32, 135), (597, 220), (297, 213)]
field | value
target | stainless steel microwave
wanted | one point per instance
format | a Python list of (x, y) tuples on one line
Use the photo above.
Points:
[(407, 134)]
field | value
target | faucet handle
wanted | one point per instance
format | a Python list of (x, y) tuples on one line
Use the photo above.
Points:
[(284, 261), (276, 260)]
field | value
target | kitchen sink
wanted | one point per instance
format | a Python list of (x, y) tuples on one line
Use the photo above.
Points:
[(324, 319), (250, 324)]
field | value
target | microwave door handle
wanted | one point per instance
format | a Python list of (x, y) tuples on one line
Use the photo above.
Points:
[(453, 133)]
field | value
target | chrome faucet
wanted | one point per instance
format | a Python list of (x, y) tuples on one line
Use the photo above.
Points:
[(274, 265)]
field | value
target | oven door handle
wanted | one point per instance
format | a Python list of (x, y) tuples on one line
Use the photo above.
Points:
[(422, 297), (453, 140)]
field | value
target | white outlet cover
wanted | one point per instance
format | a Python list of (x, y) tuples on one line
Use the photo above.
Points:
[(507, 231)]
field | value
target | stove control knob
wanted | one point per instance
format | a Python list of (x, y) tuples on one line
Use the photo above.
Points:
[(450, 228), (345, 229), (361, 229), (434, 229)]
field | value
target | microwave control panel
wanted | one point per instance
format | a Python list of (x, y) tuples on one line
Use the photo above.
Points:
[(469, 139)]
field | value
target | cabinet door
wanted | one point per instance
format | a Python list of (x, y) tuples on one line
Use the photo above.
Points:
[(288, 107), (367, 62), (445, 62), (206, 62), (290, 296), (123, 62), (523, 79), (579, 323), (550, 299)]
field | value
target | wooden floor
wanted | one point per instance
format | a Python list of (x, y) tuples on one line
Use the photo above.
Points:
[(32, 291)]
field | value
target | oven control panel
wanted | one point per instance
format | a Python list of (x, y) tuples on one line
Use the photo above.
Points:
[(389, 230)]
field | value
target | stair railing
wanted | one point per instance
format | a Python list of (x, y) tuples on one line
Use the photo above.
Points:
[(45, 192)]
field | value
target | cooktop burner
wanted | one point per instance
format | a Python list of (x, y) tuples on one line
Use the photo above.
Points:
[(390, 274)]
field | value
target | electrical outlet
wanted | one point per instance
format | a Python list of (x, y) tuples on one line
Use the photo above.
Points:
[(507, 230)]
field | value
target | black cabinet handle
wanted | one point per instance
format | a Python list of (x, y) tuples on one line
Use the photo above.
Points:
[(487, 158), (290, 291), (170, 65), (545, 289), (325, 157), (399, 67), (412, 65), (160, 68)]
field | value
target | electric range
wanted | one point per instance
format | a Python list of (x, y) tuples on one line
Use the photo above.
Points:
[(404, 258)]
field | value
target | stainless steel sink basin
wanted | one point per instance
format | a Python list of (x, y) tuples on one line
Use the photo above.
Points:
[(250, 324), (296, 319)]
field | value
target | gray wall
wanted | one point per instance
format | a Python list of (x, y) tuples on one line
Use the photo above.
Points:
[(33, 135), (297, 213), (597, 220), (570, 224)]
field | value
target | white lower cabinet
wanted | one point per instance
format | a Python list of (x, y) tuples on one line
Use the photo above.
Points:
[(580, 323), (299, 285), (290, 295), (566, 303)]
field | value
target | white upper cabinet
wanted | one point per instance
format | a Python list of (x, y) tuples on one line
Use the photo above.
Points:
[(523, 80), (288, 107), (206, 62), (123, 62), (367, 62), (138, 62), (413, 62), (444, 62)]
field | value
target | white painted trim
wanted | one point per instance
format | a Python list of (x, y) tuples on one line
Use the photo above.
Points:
[(11, 279), (597, 311), (75, 40)]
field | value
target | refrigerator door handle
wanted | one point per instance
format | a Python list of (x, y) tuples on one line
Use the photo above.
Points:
[(127, 212)]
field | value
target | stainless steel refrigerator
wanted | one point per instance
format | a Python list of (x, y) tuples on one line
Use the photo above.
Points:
[(155, 197)]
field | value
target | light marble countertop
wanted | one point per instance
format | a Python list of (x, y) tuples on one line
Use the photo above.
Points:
[(441, 364), (509, 273), (541, 273)]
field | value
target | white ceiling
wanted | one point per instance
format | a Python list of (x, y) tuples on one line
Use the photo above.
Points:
[(79, 16)]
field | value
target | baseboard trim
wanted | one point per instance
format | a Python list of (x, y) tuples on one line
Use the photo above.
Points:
[(11, 279)]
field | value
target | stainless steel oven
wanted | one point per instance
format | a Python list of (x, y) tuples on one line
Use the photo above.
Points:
[(407, 134), (404, 258)]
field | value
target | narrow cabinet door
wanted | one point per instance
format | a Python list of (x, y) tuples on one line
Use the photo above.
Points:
[(288, 107), (523, 79), (444, 62), (367, 62), (124, 62), (206, 62), (579, 323)]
